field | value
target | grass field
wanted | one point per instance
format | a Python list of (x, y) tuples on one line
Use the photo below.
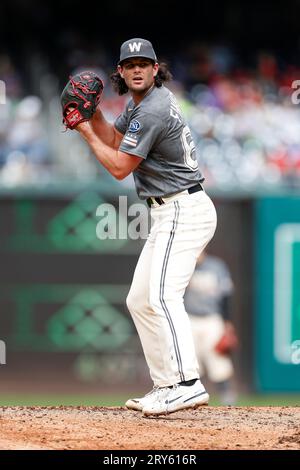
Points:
[(119, 400)]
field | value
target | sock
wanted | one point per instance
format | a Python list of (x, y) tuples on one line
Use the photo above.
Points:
[(188, 383)]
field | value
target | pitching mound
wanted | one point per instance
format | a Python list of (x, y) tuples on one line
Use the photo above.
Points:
[(119, 428)]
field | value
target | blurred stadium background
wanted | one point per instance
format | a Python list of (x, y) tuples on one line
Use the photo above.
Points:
[(68, 335)]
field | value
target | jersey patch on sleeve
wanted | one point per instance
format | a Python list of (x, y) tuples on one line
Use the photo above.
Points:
[(134, 126), (130, 139)]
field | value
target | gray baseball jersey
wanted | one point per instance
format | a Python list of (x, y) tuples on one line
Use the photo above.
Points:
[(156, 131), (210, 282)]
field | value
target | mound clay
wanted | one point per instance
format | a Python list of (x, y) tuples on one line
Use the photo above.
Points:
[(119, 428)]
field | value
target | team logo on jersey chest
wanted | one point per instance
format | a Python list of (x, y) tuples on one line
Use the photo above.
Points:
[(134, 126)]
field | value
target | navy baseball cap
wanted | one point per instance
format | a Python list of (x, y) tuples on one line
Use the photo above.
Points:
[(137, 47)]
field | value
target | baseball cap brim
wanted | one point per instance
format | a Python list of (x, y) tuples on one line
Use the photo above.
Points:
[(137, 57)]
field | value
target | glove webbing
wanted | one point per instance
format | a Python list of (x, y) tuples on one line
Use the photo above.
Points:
[(82, 87)]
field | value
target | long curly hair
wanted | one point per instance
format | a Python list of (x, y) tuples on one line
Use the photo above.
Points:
[(119, 85)]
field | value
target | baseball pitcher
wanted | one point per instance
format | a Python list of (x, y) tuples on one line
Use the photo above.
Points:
[(151, 140)]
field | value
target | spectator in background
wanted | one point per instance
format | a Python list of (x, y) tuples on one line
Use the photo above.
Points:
[(10, 77), (27, 133), (25, 151), (207, 300), (244, 124)]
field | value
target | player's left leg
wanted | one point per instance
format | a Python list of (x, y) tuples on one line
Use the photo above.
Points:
[(186, 226), (141, 311), (145, 321)]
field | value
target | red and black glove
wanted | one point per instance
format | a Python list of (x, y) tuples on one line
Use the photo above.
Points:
[(228, 341), (80, 98)]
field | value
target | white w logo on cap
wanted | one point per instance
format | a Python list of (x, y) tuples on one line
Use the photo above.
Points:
[(135, 46)]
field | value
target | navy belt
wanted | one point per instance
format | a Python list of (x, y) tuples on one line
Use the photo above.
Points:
[(160, 200)]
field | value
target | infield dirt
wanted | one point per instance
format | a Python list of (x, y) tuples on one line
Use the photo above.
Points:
[(118, 428)]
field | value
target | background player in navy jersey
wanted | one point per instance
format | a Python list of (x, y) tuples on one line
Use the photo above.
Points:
[(151, 140), (208, 302)]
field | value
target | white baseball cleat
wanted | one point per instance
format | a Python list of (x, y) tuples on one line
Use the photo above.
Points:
[(179, 397), (138, 404)]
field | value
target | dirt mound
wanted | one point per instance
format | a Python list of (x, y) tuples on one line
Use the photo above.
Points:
[(119, 428)]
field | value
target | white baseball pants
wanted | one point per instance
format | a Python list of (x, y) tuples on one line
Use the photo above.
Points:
[(180, 230)]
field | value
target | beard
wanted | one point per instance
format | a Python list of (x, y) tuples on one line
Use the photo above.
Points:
[(140, 89)]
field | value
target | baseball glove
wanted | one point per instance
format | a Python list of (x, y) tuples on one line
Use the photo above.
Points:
[(80, 98), (228, 341)]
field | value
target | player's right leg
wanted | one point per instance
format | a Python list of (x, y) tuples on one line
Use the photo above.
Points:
[(145, 320)]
